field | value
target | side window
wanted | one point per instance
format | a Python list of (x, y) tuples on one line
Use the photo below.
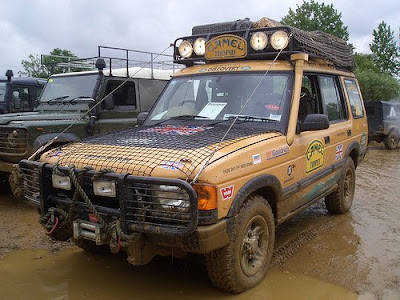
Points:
[(309, 102), (331, 98), (354, 98), (124, 95), (21, 96)]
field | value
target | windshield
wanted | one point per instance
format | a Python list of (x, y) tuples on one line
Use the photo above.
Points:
[(59, 90), (2, 91), (223, 97)]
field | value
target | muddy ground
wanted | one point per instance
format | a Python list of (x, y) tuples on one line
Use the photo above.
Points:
[(317, 255)]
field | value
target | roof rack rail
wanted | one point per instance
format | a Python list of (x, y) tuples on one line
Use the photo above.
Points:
[(115, 58)]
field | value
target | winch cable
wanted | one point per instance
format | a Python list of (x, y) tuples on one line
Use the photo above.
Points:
[(235, 119), (43, 147)]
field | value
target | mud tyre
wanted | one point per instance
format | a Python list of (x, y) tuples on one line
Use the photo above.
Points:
[(242, 263), (16, 181), (391, 140), (341, 200), (91, 247)]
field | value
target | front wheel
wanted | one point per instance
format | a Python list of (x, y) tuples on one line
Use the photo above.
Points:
[(391, 140), (242, 263), (341, 200)]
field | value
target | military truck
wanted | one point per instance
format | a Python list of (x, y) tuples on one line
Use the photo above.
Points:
[(19, 94), (72, 107), (384, 122), (260, 124)]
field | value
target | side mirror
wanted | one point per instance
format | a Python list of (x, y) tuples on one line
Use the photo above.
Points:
[(141, 117), (109, 103), (314, 122)]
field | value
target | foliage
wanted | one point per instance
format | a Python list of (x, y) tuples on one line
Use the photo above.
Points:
[(35, 67), (315, 16), (374, 85), (384, 50)]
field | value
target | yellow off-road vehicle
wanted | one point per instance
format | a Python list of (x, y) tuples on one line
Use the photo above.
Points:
[(262, 123)]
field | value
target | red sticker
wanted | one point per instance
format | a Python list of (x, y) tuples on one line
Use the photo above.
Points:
[(272, 107), (227, 192)]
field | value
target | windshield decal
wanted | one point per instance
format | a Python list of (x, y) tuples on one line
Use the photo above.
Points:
[(176, 130)]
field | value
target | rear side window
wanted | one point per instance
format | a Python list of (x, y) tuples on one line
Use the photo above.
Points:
[(331, 98), (354, 98)]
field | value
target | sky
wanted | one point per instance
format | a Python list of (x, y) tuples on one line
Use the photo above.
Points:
[(38, 26)]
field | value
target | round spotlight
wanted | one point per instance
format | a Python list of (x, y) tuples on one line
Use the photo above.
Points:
[(259, 41), (185, 49), (199, 46), (279, 40)]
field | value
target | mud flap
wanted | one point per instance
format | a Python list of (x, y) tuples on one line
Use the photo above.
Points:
[(89, 231)]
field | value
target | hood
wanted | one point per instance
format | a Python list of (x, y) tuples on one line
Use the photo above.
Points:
[(38, 116), (139, 151)]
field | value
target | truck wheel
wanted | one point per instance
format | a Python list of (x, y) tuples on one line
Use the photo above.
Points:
[(16, 183), (90, 246), (242, 263), (391, 140), (340, 201)]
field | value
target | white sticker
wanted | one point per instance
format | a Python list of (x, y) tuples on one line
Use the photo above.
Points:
[(256, 159), (212, 109), (227, 192), (392, 112), (339, 152), (275, 117)]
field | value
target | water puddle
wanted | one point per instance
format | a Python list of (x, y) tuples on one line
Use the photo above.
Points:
[(75, 274)]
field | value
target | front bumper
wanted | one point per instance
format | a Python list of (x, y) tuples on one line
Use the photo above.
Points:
[(6, 167), (135, 206)]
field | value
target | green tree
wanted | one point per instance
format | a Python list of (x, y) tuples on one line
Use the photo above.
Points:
[(312, 15), (384, 49), (34, 68), (50, 64), (374, 84)]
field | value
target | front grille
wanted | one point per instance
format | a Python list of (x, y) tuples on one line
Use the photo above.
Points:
[(31, 182), (143, 204), (13, 141)]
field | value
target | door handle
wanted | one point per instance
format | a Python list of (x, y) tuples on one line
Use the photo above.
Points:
[(349, 132), (327, 140)]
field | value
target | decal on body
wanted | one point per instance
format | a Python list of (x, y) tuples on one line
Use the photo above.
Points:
[(314, 156), (227, 192)]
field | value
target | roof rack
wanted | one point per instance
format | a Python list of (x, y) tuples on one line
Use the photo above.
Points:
[(316, 44), (116, 58)]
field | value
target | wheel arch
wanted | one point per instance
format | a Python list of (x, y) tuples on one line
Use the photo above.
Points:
[(62, 138), (267, 186), (354, 151)]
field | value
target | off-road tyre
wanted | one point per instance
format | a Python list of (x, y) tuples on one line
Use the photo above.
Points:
[(341, 200), (391, 140), (231, 268), (91, 247), (16, 181)]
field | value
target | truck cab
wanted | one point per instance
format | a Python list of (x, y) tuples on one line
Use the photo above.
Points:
[(19, 94)]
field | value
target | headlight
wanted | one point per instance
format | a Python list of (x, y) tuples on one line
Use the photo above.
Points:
[(279, 40), (171, 198), (104, 188), (61, 182), (200, 46), (185, 49), (259, 41)]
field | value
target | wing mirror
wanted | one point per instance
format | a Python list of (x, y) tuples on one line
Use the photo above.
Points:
[(141, 117), (109, 103), (314, 122)]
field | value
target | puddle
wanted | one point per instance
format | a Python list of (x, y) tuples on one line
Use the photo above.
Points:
[(74, 274)]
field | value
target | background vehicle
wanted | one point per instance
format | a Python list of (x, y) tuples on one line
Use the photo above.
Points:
[(384, 122), (19, 94), (66, 99), (249, 134)]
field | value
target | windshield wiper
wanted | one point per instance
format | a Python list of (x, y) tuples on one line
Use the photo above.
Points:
[(246, 118), (80, 99), (56, 100)]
